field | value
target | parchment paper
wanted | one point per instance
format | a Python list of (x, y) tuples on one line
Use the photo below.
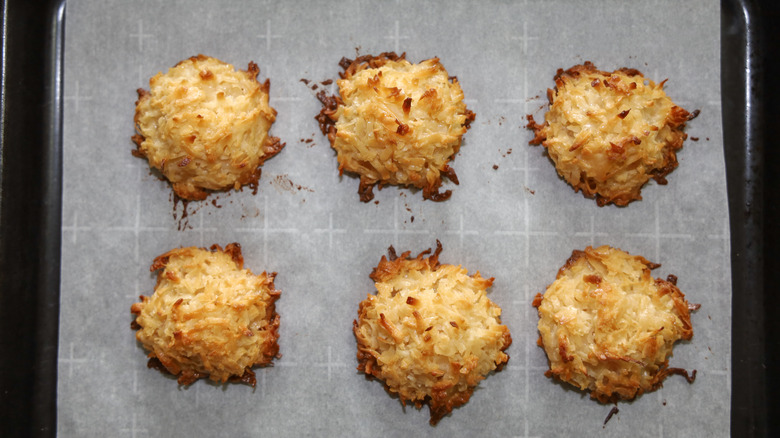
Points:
[(517, 223)]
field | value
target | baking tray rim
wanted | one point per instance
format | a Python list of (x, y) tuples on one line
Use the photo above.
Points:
[(34, 410)]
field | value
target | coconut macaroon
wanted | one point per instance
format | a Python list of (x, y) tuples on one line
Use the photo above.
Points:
[(430, 333), (204, 126), (396, 123), (609, 133), (608, 327), (208, 316)]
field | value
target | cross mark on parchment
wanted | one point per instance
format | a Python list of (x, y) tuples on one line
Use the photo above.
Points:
[(70, 360), (76, 97), (591, 233), (268, 36), (461, 232), (724, 237), (330, 364), (330, 230), (141, 35), (525, 38), (525, 101), (134, 430), (397, 37), (74, 228), (657, 235), (526, 231), (266, 230), (396, 230)]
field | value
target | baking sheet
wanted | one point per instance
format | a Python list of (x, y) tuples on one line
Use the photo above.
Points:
[(517, 223)]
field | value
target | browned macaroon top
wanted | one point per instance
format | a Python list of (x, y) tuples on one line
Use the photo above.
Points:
[(608, 133), (204, 126), (429, 333), (608, 327), (396, 123), (208, 316)]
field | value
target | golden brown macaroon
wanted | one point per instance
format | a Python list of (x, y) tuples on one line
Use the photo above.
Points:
[(396, 123), (204, 126), (608, 327), (430, 333), (208, 317), (609, 133)]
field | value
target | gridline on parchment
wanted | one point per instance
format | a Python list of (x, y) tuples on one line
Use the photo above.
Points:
[(511, 217)]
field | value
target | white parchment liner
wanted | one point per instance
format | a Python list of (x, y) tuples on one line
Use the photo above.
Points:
[(517, 223)]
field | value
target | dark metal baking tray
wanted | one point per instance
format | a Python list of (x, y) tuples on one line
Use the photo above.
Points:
[(31, 196)]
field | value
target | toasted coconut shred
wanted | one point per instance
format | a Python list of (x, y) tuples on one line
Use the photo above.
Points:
[(208, 316), (609, 328), (396, 123), (609, 133), (205, 126), (430, 333)]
